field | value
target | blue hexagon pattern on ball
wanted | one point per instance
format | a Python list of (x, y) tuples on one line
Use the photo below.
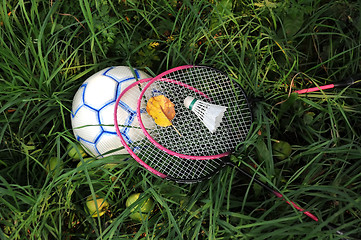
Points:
[(92, 114)]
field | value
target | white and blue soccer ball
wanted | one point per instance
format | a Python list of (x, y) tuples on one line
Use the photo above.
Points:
[(92, 114)]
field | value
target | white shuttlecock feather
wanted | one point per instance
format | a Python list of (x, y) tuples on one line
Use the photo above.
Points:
[(210, 114)]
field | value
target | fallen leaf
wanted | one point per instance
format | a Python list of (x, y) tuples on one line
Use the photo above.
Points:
[(161, 109)]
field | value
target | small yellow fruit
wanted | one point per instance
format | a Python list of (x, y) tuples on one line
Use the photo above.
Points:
[(85, 160), (92, 206), (136, 213), (73, 153), (54, 164), (282, 149)]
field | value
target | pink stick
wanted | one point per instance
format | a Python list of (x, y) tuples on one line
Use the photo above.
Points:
[(314, 89)]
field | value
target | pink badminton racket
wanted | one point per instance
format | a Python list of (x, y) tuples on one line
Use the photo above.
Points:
[(208, 86), (184, 167)]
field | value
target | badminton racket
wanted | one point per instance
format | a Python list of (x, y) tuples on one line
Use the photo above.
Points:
[(208, 86), (350, 81), (172, 167)]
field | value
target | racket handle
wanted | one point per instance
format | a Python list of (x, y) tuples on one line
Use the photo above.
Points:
[(307, 213), (314, 89), (352, 80), (256, 180), (265, 186)]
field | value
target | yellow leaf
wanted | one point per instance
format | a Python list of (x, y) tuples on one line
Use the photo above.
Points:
[(161, 109)]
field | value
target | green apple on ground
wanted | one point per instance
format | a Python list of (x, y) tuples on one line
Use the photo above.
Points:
[(282, 149), (89, 159), (139, 211), (73, 151), (86, 160), (117, 161), (110, 166), (53, 164), (92, 206)]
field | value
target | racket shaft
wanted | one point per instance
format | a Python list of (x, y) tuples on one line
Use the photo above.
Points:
[(275, 192)]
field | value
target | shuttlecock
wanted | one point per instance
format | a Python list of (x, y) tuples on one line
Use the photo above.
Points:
[(210, 114)]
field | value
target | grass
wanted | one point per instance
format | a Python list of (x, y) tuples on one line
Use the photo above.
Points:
[(48, 48)]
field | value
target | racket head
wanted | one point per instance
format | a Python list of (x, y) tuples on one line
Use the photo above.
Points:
[(209, 85), (152, 158)]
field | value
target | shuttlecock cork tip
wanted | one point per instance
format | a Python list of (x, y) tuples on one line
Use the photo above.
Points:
[(189, 102)]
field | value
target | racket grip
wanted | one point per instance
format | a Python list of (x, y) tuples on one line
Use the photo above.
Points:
[(265, 186), (314, 89), (307, 213), (350, 81)]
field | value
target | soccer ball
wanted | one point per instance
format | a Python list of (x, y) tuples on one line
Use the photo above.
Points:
[(92, 114)]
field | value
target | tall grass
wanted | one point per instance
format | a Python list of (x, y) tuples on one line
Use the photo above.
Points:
[(48, 48)]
